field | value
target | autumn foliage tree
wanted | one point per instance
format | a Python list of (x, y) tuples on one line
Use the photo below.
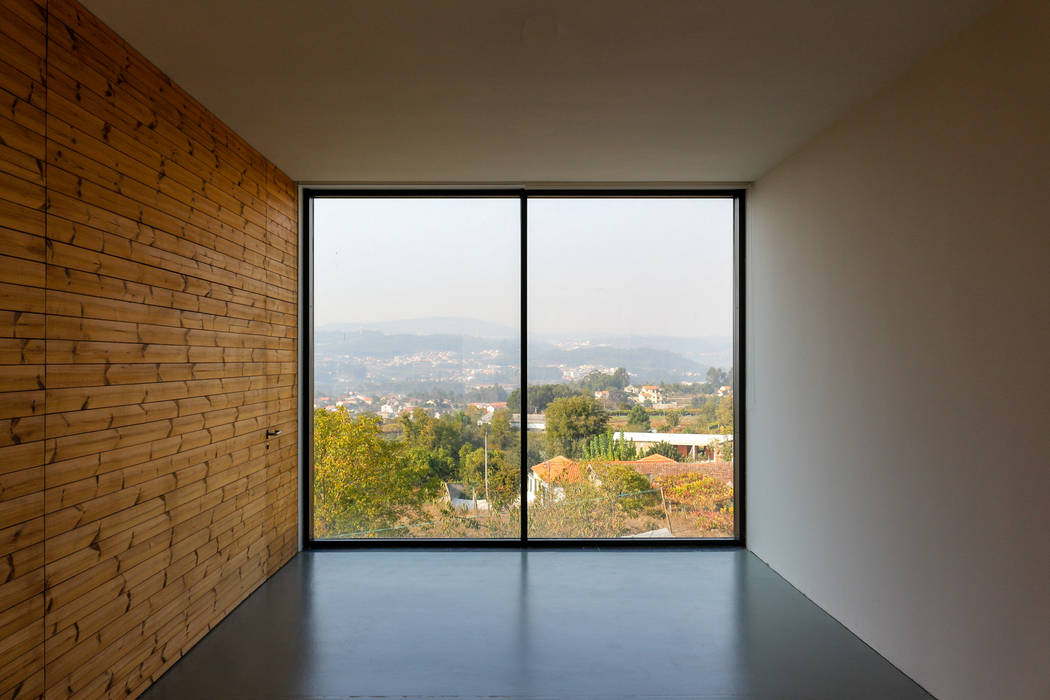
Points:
[(708, 501)]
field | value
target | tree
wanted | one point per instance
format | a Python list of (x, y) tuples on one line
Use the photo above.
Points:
[(673, 419), (440, 465), (708, 501), (362, 481), (499, 430), (540, 395), (630, 489), (707, 420), (724, 414), (716, 377), (570, 421), (504, 484), (604, 446), (663, 448), (607, 506), (486, 393), (638, 419), (471, 465), (417, 428), (600, 381)]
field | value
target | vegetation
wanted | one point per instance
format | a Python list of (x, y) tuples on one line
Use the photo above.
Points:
[(604, 446), (706, 501), (663, 448), (366, 480), (638, 420), (571, 422), (713, 414), (631, 490), (386, 479), (599, 508), (541, 395), (361, 480), (494, 393)]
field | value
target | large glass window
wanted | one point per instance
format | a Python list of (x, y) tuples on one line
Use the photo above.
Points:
[(416, 348), (630, 367), (419, 403)]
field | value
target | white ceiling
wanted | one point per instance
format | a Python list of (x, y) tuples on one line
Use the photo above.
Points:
[(530, 90)]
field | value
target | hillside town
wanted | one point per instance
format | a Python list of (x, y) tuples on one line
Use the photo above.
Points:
[(605, 457)]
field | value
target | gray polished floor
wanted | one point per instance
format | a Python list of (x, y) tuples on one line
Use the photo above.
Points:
[(538, 624)]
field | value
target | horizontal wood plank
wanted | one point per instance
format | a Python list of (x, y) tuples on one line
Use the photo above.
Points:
[(148, 338)]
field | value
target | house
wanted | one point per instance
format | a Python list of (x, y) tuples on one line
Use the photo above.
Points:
[(458, 497), (650, 393), (690, 445), (659, 465), (551, 475), (560, 470), (534, 421), (488, 409)]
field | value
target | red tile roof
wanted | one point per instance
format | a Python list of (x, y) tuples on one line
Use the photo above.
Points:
[(558, 469), (564, 469)]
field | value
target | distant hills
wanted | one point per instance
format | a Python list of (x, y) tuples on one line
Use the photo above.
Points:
[(646, 358), (434, 325), (643, 364), (371, 343)]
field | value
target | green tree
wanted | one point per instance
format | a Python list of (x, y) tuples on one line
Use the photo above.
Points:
[(504, 484), (471, 465), (624, 484), (600, 381), (707, 420), (673, 418), (724, 414), (638, 419), (571, 421), (363, 481), (540, 395), (604, 446), (716, 377), (417, 428), (663, 448), (499, 430)]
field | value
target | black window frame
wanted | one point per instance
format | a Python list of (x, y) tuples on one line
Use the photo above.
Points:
[(307, 197)]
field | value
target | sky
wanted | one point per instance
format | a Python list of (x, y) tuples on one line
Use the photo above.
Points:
[(642, 266)]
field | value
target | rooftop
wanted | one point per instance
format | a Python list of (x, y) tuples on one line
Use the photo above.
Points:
[(688, 439)]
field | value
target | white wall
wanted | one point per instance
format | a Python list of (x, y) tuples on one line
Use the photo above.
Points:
[(899, 464)]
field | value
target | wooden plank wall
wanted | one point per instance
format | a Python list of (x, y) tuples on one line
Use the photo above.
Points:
[(148, 311), (22, 370)]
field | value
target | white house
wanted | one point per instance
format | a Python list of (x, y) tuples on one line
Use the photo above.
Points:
[(688, 444)]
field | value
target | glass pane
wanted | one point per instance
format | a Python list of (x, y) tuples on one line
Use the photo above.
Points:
[(416, 351), (630, 367)]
